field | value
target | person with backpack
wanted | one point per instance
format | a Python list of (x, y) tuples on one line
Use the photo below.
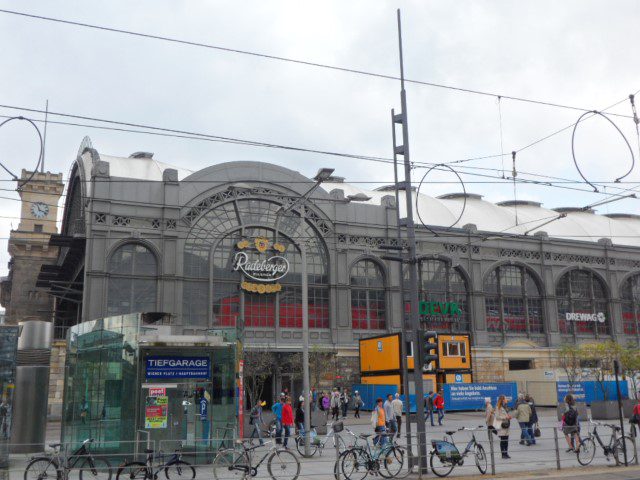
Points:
[(571, 424), (357, 404), (255, 419), (533, 421), (379, 424), (429, 407)]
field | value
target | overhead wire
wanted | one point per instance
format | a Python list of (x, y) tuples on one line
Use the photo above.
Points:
[(290, 60), (40, 156)]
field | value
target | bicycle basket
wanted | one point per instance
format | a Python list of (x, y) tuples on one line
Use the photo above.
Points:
[(338, 427), (445, 450)]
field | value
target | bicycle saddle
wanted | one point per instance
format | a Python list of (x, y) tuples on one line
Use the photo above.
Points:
[(364, 436), (55, 445), (450, 432)]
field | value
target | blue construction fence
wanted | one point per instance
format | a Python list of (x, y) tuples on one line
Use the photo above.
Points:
[(591, 391), (457, 396)]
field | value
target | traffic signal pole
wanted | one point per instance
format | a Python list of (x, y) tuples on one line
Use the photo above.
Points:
[(412, 264)]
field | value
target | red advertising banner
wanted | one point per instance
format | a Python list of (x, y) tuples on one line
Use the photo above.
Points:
[(157, 392)]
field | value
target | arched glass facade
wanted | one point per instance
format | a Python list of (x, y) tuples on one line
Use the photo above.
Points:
[(132, 284), (630, 294), (438, 281), (513, 301), (211, 289), (368, 302), (582, 292)]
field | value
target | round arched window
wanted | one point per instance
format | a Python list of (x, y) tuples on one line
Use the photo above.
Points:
[(132, 284), (368, 303), (583, 307)]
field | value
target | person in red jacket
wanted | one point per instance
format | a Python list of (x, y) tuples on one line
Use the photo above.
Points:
[(287, 420), (438, 404)]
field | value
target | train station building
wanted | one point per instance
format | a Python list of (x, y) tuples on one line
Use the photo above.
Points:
[(203, 259)]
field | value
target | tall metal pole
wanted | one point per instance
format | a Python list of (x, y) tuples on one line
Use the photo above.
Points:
[(305, 335), (403, 343), (418, 355), (616, 371)]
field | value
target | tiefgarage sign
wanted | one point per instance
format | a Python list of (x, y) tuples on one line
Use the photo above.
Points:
[(443, 309), (177, 367), (585, 317), (265, 271)]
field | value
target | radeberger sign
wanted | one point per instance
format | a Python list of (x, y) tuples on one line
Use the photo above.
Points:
[(261, 270), (585, 317)]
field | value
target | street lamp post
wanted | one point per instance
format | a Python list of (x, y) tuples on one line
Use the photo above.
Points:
[(322, 175)]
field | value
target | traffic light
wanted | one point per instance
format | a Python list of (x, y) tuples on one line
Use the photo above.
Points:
[(430, 349)]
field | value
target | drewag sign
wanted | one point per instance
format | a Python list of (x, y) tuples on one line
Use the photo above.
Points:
[(177, 367)]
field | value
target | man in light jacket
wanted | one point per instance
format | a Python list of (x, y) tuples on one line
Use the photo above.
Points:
[(523, 415), (397, 411)]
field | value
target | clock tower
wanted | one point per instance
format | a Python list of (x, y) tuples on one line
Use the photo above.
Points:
[(29, 248)]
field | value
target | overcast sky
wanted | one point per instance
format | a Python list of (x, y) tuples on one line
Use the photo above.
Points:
[(578, 53)]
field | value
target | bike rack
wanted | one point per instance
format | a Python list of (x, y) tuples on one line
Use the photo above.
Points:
[(137, 446)]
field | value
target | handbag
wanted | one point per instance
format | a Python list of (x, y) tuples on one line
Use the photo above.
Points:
[(506, 423), (537, 432)]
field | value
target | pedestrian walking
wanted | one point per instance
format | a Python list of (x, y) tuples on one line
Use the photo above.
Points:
[(502, 422), (335, 405), (523, 415), (357, 404), (571, 424), (287, 420), (299, 418), (635, 418), (255, 419), (489, 416), (277, 412), (397, 411), (429, 408), (438, 405), (326, 403), (344, 402), (314, 399), (390, 416), (378, 422), (533, 422)]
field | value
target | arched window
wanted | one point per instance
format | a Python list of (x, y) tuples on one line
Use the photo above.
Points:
[(132, 284), (368, 305), (582, 304), (512, 299), (631, 305), (438, 281)]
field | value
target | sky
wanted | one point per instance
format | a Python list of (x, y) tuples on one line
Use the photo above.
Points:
[(576, 53)]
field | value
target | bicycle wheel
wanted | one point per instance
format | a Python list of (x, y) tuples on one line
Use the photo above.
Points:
[(440, 467), (619, 452), (231, 464), (391, 461), (179, 470), (481, 459), (42, 468), (406, 462), (283, 465), (313, 448), (95, 468), (586, 451), (132, 470), (354, 464)]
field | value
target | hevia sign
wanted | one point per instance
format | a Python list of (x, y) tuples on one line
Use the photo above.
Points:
[(439, 309), (177, 367), (264, 271)]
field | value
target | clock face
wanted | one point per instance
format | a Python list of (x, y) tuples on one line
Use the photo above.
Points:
[(39, 209)]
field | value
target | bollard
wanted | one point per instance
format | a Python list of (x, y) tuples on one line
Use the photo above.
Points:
[(337, 467), (634, 439), (555, 441), (491, 452)]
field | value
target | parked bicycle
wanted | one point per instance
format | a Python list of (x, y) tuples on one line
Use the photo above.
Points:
[(445, 456), (316, 444), (238, 463), (359, 461), (587, 449), (58, 464), (174, 468)]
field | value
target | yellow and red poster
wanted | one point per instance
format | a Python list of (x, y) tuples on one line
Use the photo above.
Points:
[(155, 412)]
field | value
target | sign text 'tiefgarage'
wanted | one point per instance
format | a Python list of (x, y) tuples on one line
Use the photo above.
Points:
[(439, 308)]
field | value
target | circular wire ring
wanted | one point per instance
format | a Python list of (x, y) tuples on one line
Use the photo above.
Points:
[(464, 190), (20, 185), (573, 152)]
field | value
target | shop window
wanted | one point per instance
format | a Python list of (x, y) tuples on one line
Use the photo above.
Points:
[(439, 281), (132, 284), (631, 306), (520, 364), (368, 302), (513, 302), (583, 307)]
